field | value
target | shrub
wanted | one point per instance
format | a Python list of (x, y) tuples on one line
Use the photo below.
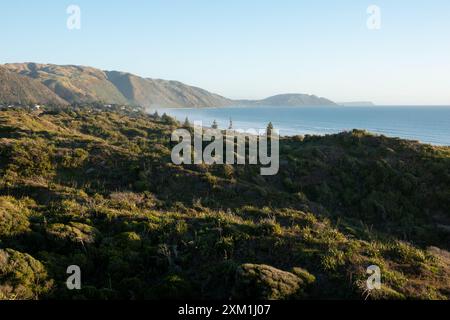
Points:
[(22, 277), (174, 286), (74, 158), (128, 240), (126, 200), (406, 253), (270, 227), (74, 232), (307, 277), (31, 157), (264, 282), (13, 217)]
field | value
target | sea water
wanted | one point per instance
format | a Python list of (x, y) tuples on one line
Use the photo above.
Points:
[(427, 124)]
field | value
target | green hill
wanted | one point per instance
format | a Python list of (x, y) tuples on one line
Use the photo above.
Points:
[(16, 88), (75, 84), (155, 92), (78, 84), (290, 100), (97, 189)]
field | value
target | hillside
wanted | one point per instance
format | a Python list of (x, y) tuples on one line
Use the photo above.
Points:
[(289, 100), (97, 189), (155, 92), (16, 88), (78, 84)]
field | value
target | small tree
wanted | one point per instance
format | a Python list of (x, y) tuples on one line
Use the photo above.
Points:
[(186, 123), (168, 120), (269, 129), (230, 127), (215, 125)]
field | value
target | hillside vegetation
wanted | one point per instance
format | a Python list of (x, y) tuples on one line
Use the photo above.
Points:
[(80, 85), (97, 189), (16, 88)]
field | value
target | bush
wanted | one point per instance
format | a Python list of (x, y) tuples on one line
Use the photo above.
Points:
[(174, 286), (127, 200), (31, 158), (74, 158), (264, 282), (22, 277), (128, 241), (13, 217), (307, 277), (270, 227), (74, 232)]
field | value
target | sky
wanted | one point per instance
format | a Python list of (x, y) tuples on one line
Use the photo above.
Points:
[(248, 48)]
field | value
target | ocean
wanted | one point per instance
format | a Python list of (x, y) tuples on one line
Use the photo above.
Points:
[(427, 124)]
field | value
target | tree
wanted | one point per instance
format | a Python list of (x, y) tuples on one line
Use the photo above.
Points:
[(167, 119), (186, 123), (215, 125), (230, 127), (269, 129)]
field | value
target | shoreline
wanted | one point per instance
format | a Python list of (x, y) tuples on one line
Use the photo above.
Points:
[(316, 121)]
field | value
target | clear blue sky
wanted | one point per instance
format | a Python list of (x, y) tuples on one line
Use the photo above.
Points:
[(248, 48)]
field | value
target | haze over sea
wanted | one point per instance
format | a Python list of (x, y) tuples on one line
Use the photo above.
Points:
[(427, 124)]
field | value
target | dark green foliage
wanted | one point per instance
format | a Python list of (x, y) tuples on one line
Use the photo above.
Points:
[(74, 158), (22, 276), (14, 217), (97, 189), (74, 233), (264, 282), (30, 158)]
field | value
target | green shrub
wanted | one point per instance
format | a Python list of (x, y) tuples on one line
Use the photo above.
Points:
[(264, 282), (270, 227), (307, 277), (31, 158), (22, 277), (173, 286), (14, 217), (72, 233), (75, 158), (128, 240)]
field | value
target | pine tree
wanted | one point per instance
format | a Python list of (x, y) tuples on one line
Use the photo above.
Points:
[(269, 129), (167, 119), (230, 127)]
